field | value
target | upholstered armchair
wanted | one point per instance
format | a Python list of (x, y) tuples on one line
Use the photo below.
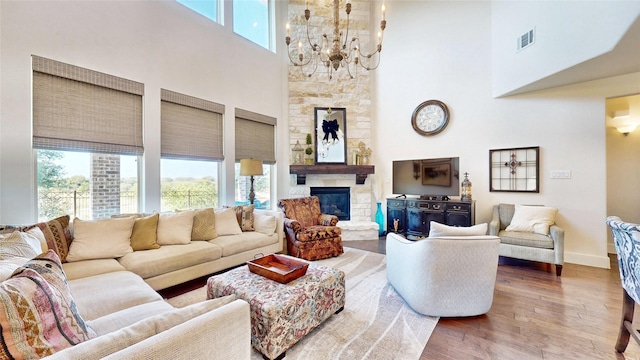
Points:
[(310, 234), (626, 237), (531, 245), (448, 276)]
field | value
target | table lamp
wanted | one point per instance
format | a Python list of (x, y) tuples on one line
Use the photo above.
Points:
[(251, 167)]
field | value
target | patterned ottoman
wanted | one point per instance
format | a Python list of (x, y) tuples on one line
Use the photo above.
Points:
[(281, 314)]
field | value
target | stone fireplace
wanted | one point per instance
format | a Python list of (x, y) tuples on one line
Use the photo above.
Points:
[(306, 93), (361, 202)]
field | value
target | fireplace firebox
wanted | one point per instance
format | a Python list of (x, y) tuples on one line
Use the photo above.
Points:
[(334, 201)]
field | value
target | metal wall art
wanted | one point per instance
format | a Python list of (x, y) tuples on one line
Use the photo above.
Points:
[(515, 169)]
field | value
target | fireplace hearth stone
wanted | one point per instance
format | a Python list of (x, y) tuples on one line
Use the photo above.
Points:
[(358, 230)]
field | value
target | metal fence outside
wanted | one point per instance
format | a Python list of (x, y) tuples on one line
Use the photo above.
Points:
[(55, 202)]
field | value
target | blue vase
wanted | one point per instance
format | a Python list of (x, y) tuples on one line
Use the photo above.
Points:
[(380, 220)]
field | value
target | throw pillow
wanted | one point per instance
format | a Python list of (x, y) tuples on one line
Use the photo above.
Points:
[(175, 228), (38, 315), (58, 236), (17, 244), (145, 233), (438, 230), (8, 266), (265, 224), (535, 219), (101, 239), (204, 225), (244, 214), (40, 243), (226, 222)]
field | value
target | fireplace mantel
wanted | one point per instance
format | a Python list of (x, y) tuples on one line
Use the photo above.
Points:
[(301, 171)]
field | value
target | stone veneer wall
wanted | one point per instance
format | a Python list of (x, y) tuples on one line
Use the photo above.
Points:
[(306, 93), (105, 185)]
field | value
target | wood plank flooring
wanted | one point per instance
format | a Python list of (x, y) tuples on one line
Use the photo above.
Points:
[(536, 315)]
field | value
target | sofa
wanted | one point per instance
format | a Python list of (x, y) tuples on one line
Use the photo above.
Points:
[(109, 304)]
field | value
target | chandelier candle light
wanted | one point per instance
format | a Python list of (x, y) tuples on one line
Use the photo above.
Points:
[(334, 53)]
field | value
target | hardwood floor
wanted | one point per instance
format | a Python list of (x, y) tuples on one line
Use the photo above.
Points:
[(536, 315)]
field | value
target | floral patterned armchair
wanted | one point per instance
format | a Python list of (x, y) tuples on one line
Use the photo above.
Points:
[(310, 234), (626, 237)]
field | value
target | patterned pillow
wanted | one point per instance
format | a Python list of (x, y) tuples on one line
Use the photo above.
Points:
[(38, 315), (16, 244), (204, 225), (144, 235), (58, 236), (244, 215)]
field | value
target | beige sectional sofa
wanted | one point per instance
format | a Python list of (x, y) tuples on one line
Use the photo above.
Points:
[(116, 296)]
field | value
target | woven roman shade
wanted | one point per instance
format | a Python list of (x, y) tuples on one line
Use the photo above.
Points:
[(191, 128), (255, 136), (76, 109)]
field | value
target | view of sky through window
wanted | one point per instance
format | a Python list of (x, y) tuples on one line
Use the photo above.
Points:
[(208, 8)]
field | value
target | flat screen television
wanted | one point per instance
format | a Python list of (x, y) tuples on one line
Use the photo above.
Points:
[(427, 177)]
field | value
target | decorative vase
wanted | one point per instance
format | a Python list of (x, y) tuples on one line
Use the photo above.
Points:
[(380, 219)]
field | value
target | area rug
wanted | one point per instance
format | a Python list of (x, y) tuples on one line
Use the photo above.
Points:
[(375, 324)]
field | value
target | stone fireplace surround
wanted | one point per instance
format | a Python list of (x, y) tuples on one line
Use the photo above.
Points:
[(360, 226)]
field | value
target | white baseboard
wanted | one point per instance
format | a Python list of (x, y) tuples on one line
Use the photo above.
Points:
[(587, 260), (611, 248)]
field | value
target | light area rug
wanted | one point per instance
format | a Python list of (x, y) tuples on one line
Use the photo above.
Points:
[(375, 323)]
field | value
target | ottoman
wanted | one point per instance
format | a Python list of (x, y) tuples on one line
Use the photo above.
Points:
[(281, 314)]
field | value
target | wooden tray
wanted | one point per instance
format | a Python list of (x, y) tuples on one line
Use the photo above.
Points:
[(278, 268)]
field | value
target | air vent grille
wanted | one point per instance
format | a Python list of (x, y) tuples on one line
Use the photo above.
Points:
[(527, 39)]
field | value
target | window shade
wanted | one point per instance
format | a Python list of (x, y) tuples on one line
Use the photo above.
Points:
[(255, 136), (191, 128), (76, 109)]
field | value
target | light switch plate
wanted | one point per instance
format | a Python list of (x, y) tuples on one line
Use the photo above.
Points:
[(561, 174)]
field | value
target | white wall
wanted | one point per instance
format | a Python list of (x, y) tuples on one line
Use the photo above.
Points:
[(567, 33), (159, 43), (441, 51), (623, 167)]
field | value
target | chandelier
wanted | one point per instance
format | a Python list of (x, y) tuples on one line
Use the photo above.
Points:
[(332, 52)]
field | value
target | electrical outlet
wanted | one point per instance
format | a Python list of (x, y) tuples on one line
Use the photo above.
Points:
[(561, 174)]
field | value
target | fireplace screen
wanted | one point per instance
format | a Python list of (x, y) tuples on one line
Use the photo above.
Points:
[(334, 201)]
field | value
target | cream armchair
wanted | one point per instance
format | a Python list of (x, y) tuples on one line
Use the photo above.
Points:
[(527, 245), (444, 276)]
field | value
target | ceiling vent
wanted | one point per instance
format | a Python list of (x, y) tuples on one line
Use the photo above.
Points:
[(527, 39)]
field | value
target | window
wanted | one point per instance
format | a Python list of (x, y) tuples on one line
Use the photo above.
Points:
[(251, 20), (255, 139), (188, 184), (261, 188), (207, 8), (87, 130), (191, 149), (67, 185)]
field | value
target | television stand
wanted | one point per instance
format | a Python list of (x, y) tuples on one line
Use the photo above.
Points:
[(411, 217), (434, 197)]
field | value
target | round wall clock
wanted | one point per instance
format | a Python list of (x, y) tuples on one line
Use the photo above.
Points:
[(430, 117)]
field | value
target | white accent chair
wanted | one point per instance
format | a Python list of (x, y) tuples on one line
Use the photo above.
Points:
[(449, 276)]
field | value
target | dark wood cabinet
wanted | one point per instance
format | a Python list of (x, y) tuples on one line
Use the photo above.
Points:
[(413, 216), (396, 216)]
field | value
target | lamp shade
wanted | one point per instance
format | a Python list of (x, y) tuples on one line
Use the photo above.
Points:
[(250, 167)]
